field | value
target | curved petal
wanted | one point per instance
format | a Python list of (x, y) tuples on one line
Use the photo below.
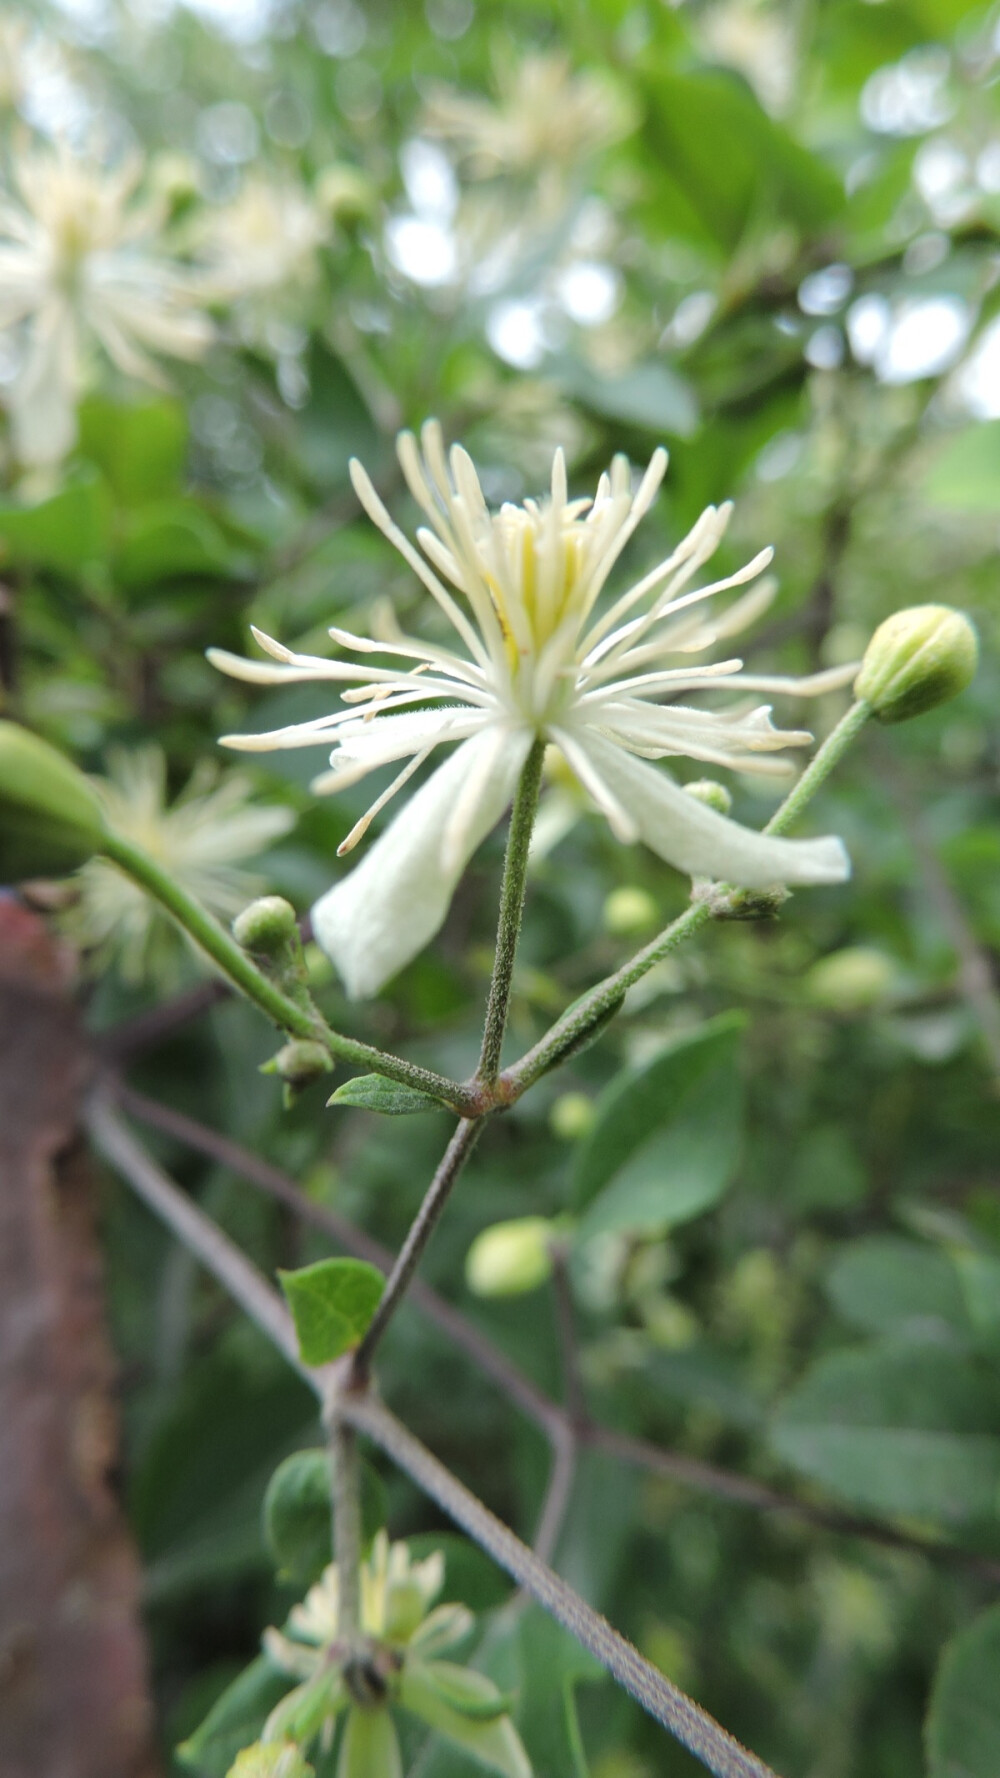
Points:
[(696, 839), (376, 919)]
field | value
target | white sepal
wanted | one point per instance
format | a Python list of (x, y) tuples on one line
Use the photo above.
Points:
[(376, 919)]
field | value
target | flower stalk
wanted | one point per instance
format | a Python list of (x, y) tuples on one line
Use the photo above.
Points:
[(515, 869)]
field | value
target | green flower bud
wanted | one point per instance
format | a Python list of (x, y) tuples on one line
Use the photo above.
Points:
[(299, 1062), (851, 980), (510, 1257), (918, 658), (572, 1116), (630, 910), (713, 795), (267, 927), (50, 816)]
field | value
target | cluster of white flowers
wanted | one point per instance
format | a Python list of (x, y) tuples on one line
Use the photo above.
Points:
[(540, 659), (79, 267), (545, 115)]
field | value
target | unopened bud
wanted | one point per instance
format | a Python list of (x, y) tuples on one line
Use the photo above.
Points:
[(50, 816), (713, 795), (851, 980), (630, 910), (572, 1116), (299, 1062), (917, 659), (267, 926), (511, 1257)]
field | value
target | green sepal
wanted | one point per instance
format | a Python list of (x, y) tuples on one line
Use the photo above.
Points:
[(370, 1747), (495, 1743)]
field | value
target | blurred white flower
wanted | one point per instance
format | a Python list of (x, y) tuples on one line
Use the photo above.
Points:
[(79, 265), (202, 839), (538, 662), (266, 238), (545, 116)]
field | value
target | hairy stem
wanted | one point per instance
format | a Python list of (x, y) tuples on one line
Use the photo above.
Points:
[(346, 1527), (286, 1013), (421, 1229), (515, 868), (587, 1014)]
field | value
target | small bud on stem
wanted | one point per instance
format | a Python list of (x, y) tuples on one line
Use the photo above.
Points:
[(917, 659)]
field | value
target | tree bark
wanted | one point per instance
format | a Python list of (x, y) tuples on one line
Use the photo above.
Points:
[(74, 1701)]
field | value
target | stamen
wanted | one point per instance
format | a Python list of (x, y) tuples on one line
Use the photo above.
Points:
[(361, 827)]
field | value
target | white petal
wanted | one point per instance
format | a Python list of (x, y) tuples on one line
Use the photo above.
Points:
[(390, 906), (696, 839)]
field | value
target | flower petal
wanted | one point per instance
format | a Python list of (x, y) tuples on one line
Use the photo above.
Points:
[(696, 839), (377, 918)]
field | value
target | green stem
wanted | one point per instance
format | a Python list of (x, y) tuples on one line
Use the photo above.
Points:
[(346, 1481), (586, 1016), (286, 1013), (515, 870)]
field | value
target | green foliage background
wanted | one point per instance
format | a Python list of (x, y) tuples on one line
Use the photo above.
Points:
[(818, 1303)]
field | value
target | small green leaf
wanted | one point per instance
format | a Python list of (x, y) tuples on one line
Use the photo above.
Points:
[(332, 1304), (235, 1719), (963, 1722), (297, 1514), (372, 1092)]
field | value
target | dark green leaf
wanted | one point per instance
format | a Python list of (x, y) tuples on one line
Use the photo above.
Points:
[(887, 1284), (332, 1304), (297, 1521), (963, 1722)]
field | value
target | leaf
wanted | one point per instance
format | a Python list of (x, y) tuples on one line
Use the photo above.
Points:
[(963, 1722), (235, 1719), (372, 1092), (666, 1140), (898, 1429), (297, 1522), (167, 538), (496, 1744), (465, 1690), (332, 1303), (652, 395), (887, 1284), (70, 532), (139, 446)]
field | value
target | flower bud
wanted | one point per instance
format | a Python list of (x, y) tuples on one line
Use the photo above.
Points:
[(510, 1258), (630, 910), (918, 658), (50, 816), (572, 1116), (267, 926), (851, 980), (713, 795), (299, 1062)]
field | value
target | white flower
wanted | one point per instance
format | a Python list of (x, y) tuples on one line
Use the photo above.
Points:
[(267, 237), (545, 115), (538, 659), (75, 268), (202, 838)]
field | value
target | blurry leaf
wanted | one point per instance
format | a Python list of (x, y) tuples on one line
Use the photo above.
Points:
[(70, 532), (172, 537), (297, 1521), (886, 1284), (963, 1721), (140, 447), (666, 1139), (234, 1720), (898, 1429), (372, 1092), (966, 473), (722, 163), (332, 1304), (979, 1282), (651, 395)]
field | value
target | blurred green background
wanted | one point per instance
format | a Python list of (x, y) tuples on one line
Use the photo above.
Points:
[(769, 236)]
